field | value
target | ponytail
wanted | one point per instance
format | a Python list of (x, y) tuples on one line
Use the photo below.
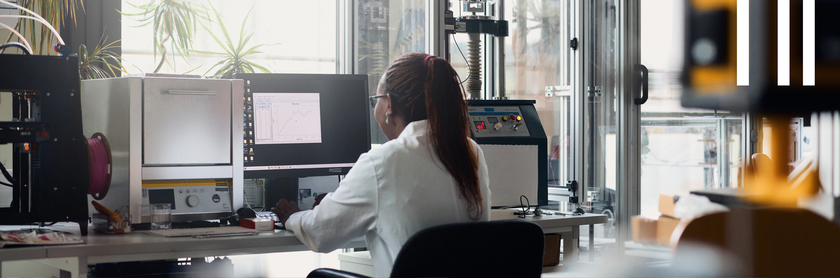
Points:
[(427, 87)]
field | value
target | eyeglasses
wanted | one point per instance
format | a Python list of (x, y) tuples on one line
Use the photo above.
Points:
[(373, 100)]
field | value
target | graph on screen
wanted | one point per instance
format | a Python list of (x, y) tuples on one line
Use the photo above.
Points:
[(287, 118)]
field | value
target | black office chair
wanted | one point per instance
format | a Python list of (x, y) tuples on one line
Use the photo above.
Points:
[(477, 249)]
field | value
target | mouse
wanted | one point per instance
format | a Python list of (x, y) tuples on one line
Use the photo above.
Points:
[(244, 212)]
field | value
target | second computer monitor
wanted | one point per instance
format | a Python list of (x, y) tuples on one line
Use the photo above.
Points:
[(299, 125)]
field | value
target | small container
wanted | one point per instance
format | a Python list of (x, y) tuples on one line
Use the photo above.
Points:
[(161, 216), (105, 224)]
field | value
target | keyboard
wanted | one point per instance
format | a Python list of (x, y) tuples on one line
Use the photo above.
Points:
[(205, 232)]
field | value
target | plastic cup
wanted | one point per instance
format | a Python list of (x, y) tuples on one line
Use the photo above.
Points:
[(161, 216)]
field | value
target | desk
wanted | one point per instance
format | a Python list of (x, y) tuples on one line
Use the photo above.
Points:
[(139, 246), (567, 226)]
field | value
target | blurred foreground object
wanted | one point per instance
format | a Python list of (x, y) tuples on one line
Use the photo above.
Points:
[(769, 242), (710, 69)]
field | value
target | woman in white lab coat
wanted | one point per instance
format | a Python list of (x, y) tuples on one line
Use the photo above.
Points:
[(429, 173)]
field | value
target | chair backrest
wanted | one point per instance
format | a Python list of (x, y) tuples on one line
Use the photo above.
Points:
[(477, 249)]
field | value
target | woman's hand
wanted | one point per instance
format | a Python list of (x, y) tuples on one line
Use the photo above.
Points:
[(283, 209), (318, 200)]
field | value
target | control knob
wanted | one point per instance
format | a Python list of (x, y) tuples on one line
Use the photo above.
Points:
[(516, 126), (192, 201), (497, 126)]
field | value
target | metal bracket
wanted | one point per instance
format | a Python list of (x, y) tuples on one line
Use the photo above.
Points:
[(562, 90)]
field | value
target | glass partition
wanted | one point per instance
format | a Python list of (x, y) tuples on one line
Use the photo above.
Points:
[(385, 30), (682, 149)]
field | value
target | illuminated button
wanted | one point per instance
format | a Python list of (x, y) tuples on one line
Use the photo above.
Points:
[(504, 118), (26, 146), (245, 141), (512, 117), (518, 118)]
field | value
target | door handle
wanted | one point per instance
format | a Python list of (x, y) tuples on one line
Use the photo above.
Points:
[(192, 92), (643, 83)]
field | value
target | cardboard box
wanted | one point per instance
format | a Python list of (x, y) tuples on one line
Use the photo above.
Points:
[(644, 229), (665, 227), (667, 203), (653, 231), (551, 256)]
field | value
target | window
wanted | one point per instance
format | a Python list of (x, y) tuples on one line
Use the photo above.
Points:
[(293, 36)]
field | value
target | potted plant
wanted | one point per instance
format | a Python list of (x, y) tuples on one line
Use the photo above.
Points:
[(173, 20), (235, 52)]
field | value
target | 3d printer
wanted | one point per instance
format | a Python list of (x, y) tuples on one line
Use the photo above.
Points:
[(49, 177)]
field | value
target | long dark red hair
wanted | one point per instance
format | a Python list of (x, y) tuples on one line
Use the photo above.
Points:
[(427, 87)]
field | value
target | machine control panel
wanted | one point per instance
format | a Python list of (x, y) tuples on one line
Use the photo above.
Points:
[(497, 121), (188, 196)]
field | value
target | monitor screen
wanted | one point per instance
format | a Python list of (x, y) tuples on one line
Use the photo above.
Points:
[(299, 125)]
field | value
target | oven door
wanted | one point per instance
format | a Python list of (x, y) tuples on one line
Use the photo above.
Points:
[(186, 122)]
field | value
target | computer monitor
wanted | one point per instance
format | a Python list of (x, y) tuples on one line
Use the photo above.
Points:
[(301, 125)]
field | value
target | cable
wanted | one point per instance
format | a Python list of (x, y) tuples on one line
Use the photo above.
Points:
[(6, 184), (6, 173), (38, 16), (15, 44), (524, 209), (41, 20), (469, 69), (19, 36)]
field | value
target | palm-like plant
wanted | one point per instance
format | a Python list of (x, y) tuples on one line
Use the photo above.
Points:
[(102, 54), (54, 11), (235, 52), (171, 19)]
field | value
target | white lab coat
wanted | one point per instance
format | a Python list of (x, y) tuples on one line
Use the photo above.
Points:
[(391, 193)]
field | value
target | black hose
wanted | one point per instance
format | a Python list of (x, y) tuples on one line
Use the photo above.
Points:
[(16, 44)]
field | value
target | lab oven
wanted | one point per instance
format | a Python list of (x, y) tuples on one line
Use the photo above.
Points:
[(173, 139), (513, 140)]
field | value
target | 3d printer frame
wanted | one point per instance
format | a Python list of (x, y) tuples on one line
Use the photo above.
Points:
[(49, 176)]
